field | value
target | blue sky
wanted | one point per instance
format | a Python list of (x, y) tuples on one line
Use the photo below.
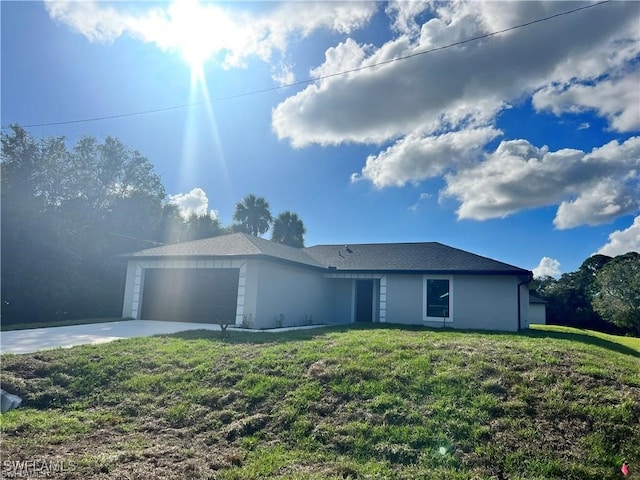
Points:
[(523, 146)]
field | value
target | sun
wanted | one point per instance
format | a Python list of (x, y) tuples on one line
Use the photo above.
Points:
[(201, 31), (193, 35)]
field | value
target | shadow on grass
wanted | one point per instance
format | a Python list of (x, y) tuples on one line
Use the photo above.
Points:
[(582, 338), (237, 336), (261, 337)]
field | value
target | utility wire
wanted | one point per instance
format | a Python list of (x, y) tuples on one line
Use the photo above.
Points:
[(323, 77), (153, 242)]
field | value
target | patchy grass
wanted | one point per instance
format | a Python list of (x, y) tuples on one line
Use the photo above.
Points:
[(59, 323), (351, 402)]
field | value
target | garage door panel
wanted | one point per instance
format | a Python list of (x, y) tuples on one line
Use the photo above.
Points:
[(192, 295)]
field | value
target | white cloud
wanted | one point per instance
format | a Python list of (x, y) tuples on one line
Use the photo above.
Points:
[(426, 106), (623, 241), (283, 74), (421, 198), (548, 267), (616, 100), (449, 89), (592, 188), (416, 157), (98, 22), (345, 56), (229, 32), (602, 202), (404, 15), (194, 202)]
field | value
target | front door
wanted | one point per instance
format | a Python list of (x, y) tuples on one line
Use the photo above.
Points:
[(364, 300)]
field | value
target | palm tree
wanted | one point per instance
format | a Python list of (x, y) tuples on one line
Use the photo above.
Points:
[(252, 216), (288, 229)]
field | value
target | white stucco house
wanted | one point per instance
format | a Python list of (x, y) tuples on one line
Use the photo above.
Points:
[(244, 280)]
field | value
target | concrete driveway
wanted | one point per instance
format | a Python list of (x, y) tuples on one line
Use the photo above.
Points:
[(32, 340), (27, 341)]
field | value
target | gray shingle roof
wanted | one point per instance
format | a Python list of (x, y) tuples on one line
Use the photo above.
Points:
[(413, 257), (407, 257), (234, 245)]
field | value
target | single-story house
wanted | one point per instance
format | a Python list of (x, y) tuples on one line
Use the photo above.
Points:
[(248, 281)]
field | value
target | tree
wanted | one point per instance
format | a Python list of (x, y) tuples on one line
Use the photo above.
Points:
[(289, 230), (570, 297), (618, 297), (201, 226), (171, 227), (252, 216), (66, 213)]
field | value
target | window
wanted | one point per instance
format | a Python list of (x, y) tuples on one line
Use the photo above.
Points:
[(437, 299)]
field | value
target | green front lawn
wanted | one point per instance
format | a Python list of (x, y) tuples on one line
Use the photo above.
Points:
[(346, 402)]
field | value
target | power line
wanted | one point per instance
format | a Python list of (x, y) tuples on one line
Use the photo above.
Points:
[(153, 242), (323, 77)]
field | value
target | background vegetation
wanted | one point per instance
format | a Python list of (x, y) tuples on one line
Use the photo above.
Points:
[(604, 294)]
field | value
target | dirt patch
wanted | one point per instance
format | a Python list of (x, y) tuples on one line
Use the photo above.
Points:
[(161, 453)]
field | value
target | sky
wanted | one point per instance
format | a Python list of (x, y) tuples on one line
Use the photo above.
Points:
[(507, 129)]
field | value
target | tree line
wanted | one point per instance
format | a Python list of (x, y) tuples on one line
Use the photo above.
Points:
[(603, 294), (68, 212)]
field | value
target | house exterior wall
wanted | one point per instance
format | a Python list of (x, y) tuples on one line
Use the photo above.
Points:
[(488, 302), (537, 314), (299, 294), (478, 301), (404, 299), (249, 308), (524, 306)]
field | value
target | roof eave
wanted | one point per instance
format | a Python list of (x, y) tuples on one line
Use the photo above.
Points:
[(430, 272), (252, 256)]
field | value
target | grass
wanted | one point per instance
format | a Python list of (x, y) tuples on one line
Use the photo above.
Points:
[(597, 338), (347, 402), (58, 323)]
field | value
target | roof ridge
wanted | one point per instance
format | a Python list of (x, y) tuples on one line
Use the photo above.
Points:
[(249, 238), (371, 243)]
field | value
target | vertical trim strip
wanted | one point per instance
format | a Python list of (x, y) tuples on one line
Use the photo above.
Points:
[(242, 284), (383, 299), (137, 293), (353, 300)]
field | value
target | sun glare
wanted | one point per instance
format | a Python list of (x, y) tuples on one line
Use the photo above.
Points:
[(198, 32), (193, 36)]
